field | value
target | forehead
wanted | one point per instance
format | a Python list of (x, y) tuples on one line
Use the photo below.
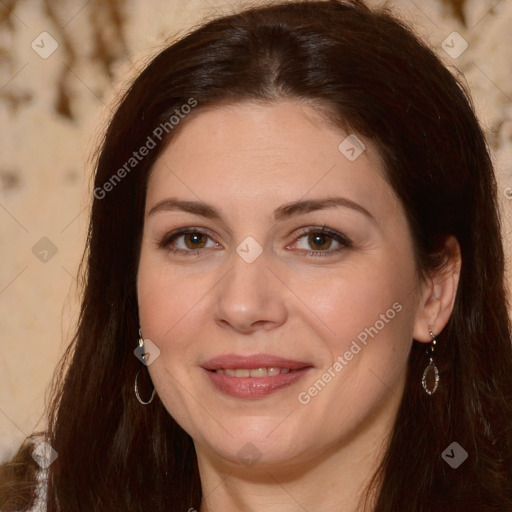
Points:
[(255, 152)]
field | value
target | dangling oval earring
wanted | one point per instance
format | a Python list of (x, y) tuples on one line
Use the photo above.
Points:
[(431, 373), (141, 346)]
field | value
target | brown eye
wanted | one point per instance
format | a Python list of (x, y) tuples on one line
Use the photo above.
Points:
[(322, 242), (194, 240), (319, 241), (189, 241)]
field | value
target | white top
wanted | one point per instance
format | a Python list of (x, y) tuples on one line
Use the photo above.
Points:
[(40, 503)]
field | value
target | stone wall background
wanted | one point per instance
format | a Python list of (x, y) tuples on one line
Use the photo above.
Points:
[(54, 103)]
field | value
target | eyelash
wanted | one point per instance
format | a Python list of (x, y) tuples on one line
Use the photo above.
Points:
[(338, 237)]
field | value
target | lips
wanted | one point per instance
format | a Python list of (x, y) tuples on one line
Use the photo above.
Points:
[(253, 377)]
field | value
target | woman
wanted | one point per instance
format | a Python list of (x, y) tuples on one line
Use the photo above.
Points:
[(294, 292)]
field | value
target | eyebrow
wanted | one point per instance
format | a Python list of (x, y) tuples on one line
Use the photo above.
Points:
[(283, 212)]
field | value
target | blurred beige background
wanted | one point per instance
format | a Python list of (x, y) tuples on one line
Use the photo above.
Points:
[(61, 64)]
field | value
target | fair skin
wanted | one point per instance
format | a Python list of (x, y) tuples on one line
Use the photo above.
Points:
[(246, 160)]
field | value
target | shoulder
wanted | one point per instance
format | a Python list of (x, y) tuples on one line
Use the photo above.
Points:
[(23, 480)]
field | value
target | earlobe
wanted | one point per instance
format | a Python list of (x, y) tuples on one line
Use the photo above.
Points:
[(436, 303)]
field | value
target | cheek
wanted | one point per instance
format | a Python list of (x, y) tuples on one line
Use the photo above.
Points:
[(368, 315), (164, 297), (171, 315), (365, 352), (365, 300)]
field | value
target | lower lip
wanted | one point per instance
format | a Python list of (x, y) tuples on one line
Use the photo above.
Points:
[(254, 387)]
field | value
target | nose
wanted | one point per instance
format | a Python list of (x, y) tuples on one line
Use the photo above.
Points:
[(251, 297)]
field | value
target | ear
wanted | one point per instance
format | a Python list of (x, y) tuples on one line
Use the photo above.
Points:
[(438, 294)]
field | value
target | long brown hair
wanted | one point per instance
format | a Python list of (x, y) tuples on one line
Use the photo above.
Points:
[(379, 80)]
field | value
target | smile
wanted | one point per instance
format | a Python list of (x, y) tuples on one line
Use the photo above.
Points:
[(253, 376), (255, 372)]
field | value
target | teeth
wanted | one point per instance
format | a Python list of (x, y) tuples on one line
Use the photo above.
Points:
[(254, 372)]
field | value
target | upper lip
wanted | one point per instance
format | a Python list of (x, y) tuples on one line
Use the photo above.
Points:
[(236, 361)]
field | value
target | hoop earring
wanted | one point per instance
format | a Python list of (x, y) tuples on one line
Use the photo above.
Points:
[(137, 392), (141, 344), (431, 370)]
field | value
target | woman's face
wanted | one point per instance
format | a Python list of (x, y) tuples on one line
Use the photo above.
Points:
[(278, 343)]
